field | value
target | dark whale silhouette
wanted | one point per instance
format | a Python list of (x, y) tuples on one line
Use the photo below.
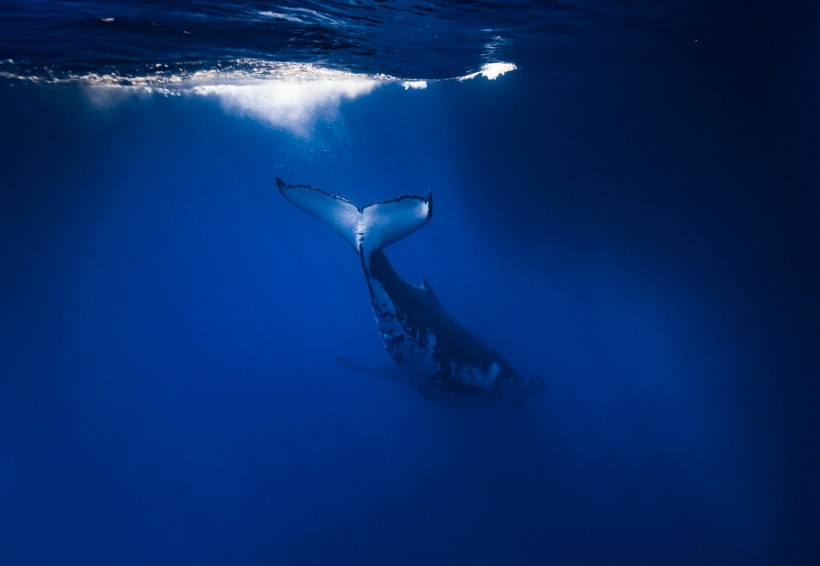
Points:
[(434, 353)]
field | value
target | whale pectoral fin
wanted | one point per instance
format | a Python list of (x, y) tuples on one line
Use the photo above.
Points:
[(382, 372)]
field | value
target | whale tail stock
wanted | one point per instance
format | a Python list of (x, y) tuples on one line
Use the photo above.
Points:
[(368, 228)]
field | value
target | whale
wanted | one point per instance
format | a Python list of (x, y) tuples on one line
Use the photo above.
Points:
[(431, 351)]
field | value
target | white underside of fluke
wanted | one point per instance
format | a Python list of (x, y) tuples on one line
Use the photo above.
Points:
[(372, 227)]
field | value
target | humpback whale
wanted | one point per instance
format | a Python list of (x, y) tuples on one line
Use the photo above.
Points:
[(434, 353)]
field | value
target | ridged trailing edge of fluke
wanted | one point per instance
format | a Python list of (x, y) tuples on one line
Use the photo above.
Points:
[(372, 227)]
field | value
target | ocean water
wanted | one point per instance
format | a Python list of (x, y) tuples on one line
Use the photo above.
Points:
[(630, 210)]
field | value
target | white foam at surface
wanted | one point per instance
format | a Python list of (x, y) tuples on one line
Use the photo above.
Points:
[(491, 71), (291, 96), (417, 85)]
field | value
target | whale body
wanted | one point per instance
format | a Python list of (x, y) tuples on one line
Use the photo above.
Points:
[(435, 354)]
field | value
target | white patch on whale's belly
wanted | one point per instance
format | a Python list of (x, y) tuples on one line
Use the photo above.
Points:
[(478, 376)]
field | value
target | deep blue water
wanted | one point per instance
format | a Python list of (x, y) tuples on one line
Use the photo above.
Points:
[(632, 214)]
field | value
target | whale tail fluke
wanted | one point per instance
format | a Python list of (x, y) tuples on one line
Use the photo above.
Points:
[(370, 228)]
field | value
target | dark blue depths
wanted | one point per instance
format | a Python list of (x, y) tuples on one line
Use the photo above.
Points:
[(642, 238)]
